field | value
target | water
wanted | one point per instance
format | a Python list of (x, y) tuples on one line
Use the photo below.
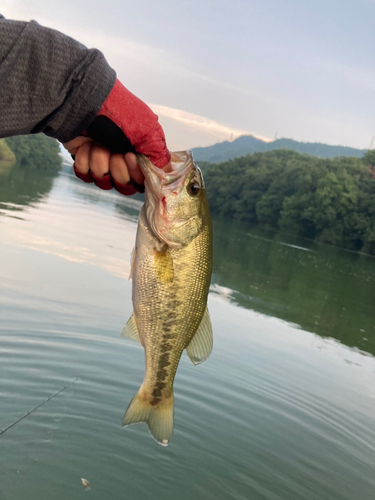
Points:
[(283, 409)]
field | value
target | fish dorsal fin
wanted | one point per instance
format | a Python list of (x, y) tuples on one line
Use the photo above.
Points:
[(133, 256), (130, 330), (200, 346)]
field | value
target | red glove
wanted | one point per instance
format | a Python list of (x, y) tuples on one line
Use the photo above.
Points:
[(126, 124), (139, 124), (108, 182)]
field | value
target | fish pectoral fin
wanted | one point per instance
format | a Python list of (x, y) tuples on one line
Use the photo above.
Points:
[(133, 256), (130, 330), (200, 346)]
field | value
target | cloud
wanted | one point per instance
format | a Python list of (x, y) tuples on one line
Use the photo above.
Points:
[(77, 254), (202, 124)]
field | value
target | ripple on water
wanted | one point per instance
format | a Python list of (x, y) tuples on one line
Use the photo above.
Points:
[(268, 416)]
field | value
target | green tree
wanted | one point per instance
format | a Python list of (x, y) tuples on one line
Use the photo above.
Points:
[(332, 200), (36, 151), (369, 157)]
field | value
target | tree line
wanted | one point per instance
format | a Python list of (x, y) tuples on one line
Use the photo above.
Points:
[(329, 200), (35, 151)]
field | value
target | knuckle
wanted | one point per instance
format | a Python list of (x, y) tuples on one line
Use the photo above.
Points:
[(117, 162), (99, 152)]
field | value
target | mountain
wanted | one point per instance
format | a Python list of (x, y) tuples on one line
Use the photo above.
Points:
[(248, 144)]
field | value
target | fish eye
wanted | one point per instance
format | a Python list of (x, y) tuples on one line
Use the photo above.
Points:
[(193, 188)]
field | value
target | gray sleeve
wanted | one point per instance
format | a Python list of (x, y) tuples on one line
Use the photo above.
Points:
[(49, 82)]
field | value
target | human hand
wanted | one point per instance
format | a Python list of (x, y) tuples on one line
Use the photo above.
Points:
[(95, 163), (123, 126)]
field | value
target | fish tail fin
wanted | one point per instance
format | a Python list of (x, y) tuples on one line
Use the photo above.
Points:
[(158, 414)]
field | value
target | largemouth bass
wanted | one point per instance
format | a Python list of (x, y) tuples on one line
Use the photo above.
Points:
[(171, 274)]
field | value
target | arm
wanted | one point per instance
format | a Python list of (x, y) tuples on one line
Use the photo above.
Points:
[(51, 83)]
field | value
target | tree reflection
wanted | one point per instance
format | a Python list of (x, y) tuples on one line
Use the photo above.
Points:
[(20, 186), (324, 289)]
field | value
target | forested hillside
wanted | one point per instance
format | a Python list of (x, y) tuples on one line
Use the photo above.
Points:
[(248, 144), (36, 151), (332, 201), (6, 155)]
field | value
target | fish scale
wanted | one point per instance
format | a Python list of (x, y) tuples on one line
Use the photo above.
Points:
[(171, 277)]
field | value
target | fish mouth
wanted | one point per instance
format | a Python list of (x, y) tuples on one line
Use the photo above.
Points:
[(156, 178), (159, 185)]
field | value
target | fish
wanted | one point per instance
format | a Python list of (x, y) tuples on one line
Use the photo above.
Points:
[(171, 272)]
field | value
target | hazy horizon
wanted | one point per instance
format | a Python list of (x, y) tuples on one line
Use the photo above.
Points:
[(213, 71)]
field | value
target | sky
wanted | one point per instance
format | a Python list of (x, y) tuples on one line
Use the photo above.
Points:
[(213, 70)]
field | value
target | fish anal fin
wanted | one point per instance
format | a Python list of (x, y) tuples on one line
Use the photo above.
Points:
[(131, 330), (200, 346), (157, 415)]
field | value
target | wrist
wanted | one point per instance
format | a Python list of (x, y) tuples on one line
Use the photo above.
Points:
[(138, 122)]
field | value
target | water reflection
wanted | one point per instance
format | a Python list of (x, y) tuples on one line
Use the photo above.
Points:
[(127, 207), (21, 186), (323, 289), (5, 167), (275, 413)]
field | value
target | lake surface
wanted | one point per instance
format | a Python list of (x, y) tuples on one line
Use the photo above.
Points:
[(282, 410)]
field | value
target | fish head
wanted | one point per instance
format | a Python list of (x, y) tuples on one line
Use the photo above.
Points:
[(176, 205)]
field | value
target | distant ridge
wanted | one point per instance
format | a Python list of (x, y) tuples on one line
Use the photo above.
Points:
[(248, 144)]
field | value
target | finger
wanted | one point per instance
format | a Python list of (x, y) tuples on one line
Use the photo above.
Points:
[(168, 168), (73, 145), (119, 168), (99, 160), (135, 171), (82, 158)]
